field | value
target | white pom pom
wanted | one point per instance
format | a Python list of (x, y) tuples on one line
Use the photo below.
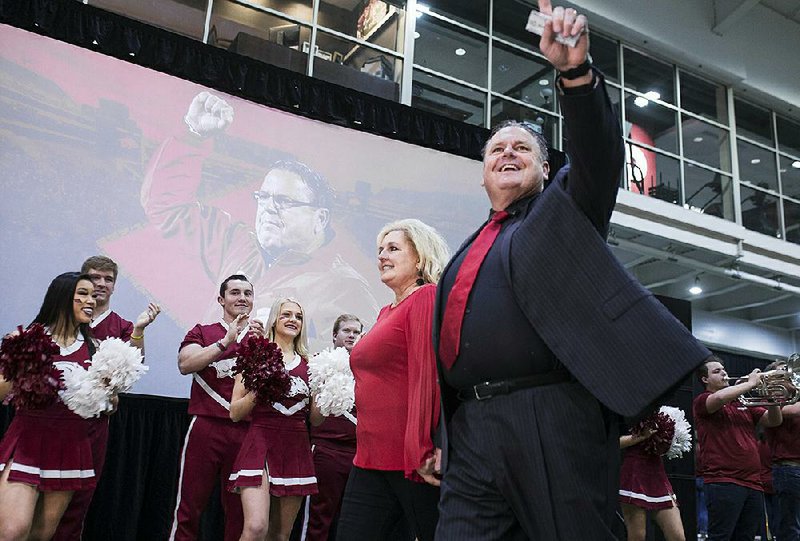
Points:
[(80, 394), (115, 367), (682, 439), (331, 381)]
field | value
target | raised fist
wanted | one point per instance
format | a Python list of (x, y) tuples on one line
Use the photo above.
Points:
[(208, 114)]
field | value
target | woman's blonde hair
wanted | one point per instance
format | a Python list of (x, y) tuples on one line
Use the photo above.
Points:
[(301, 340), (428, 243)]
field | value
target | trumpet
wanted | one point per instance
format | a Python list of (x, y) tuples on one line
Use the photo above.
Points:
[(780, 387)]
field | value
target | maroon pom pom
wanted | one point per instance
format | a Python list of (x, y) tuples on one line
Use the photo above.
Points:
[(261, 365), (663, 428), (26, 360)]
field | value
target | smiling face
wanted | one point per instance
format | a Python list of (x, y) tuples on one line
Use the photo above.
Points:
[(289, 322), (83, 302), (238, 299), (512, 167), (103, 281), (287, 217), (397, 261)]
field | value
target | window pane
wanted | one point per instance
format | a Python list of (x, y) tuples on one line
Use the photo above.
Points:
[(523, 76), (790, 177), (708, 192), (358, 67), (650, 123), (652, 174), (474, 13), (789, 136), (645, 74), (508, 110), (604, 56), (451, 50), (185, 17), (760, 211), (706, 143), (704, 98), (445, 98), (377, 22), (791, 213), (753, 122), (259, 35), (509, 23), (757, 166)]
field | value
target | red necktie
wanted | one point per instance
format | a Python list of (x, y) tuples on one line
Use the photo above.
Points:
[(450, 335)]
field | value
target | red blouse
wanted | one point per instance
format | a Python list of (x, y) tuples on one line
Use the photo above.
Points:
[(397, 396)]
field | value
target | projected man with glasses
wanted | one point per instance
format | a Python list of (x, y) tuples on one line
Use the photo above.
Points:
[(291, 252)]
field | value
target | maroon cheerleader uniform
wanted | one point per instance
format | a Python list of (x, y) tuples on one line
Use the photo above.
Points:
[(643, 481), (107, 325), (212, 440), (50, 448), (278, 439)]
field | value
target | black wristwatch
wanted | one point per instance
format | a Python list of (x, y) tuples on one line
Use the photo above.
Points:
[(578, 71)]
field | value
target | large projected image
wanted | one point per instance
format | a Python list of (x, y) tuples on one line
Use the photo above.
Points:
[(182, 186)]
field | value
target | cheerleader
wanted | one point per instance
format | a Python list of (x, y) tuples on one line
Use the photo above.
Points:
[(46, 453), (644, 487), (274, 468)]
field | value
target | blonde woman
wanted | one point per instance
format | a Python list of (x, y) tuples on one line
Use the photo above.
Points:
[(396, 394), (274, 468)]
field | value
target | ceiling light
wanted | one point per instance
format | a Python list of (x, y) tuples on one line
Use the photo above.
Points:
[(652, 95), (698, 139), (696, 289), (796, 164), (640, 101), (544, 82), (416, 35), (460, 52), (755, 161)]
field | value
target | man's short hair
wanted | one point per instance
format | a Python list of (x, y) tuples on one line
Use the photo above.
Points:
[(775, 365), (702, 370), (346, 317), (101, 263), (320, 189), (529, 127), (224, 285)]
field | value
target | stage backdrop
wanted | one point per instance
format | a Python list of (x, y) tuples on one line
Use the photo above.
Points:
[(97, 158)]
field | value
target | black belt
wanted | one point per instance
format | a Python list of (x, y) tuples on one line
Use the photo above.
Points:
[(489, 389)]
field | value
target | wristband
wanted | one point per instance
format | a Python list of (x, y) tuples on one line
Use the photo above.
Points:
[(137, 337), (578, 71), (219, 344)]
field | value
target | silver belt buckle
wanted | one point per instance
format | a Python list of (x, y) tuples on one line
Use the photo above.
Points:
[(478, 396)]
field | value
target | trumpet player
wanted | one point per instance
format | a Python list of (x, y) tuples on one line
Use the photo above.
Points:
[(784, 442), (728, 452)]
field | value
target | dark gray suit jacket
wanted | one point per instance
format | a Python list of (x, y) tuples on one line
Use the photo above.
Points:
[(611, 333)]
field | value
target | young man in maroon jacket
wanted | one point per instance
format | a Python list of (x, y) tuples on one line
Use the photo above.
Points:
[(728, 460)]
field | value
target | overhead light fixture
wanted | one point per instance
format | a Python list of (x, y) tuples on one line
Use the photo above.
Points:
[(544, 82), (696, 289), (652, 95), (698, 139), (755, 161), (796, 164), (640, 101), (461, 51), (416, 35)]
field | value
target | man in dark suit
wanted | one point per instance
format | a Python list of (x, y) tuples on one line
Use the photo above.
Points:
[(554, 338)]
